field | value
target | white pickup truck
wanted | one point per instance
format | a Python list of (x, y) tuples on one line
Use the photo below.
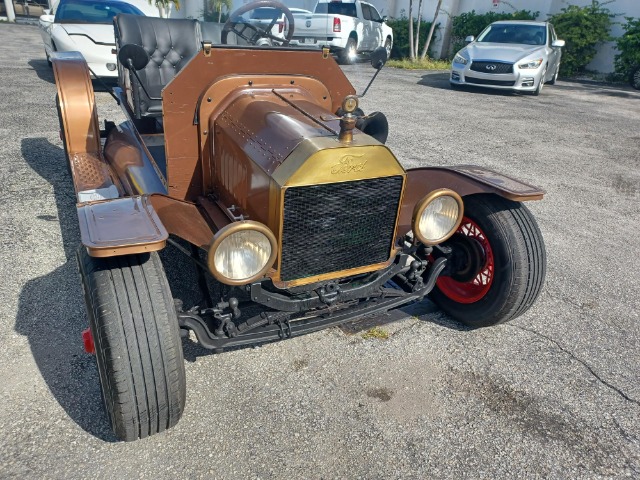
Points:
[(348, 28)]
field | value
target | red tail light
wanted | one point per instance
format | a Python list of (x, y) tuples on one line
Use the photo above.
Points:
[(337, 25), (280, 27)]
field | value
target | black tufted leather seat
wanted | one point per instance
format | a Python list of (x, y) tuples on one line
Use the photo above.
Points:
[(170, 45)]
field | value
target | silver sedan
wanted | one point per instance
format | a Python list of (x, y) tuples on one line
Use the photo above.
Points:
[(510, 55)]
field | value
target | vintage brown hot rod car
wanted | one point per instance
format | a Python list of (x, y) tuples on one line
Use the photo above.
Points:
[(260, 159)]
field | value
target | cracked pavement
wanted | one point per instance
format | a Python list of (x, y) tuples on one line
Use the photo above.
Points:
[(553, 394)]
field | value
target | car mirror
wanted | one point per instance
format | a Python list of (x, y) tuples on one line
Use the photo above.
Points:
[(470, 39), (558, 43), (384, 19), (133, 56), (379, 58), (47, 18)]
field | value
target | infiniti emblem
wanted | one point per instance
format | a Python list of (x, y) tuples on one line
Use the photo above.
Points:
[(490, 67), (308, 23)]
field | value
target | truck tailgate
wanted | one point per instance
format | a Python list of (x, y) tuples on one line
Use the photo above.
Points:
[(318, 25)]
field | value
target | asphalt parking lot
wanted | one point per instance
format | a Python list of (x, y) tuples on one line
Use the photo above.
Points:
[(555, 393)]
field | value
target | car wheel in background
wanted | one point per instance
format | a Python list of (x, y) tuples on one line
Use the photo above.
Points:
[(348, 55), (634, 78), (538, 89), (500, 259), (555, 77), (387, 46)]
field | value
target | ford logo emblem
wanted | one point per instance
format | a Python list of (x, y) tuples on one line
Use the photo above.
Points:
[(308, 24), (490, 67)]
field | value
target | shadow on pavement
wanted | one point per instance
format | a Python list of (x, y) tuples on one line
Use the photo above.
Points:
[(42, 69), (596, 88), (51, 311), (441, 80), (45, 72)]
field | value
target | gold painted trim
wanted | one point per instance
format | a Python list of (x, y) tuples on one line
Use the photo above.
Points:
[(230, 230), (322, 160), (422, 204), (337, 274)]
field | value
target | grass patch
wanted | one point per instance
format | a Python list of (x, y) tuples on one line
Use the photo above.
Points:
[(426, 64), (376, 332)]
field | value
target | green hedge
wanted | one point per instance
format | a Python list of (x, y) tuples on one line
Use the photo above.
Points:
[(629, 47), (583, 28), (472, 23), (400, 28)]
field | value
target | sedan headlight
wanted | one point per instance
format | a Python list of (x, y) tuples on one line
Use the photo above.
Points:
[(437, 216), (241, 252), (460, 59), (531, 64)]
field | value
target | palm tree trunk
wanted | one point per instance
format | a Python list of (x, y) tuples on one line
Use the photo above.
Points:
[(433, 27), (412, 54), (417, 42)]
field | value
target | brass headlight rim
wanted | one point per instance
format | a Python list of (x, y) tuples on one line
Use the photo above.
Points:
[(230, 230), (348, 98), (422, 204)]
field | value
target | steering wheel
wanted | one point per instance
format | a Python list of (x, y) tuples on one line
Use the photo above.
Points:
[(254, 33)]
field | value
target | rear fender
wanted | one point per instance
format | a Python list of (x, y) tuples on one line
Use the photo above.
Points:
[(93, 179), (464, 180), (76, 102)]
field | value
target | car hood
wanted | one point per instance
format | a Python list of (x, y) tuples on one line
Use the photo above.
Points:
[(97, 33), (500, 51)]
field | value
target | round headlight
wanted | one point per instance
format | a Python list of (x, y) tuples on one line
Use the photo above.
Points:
[(350, 103), (437, 216), (241, 252)]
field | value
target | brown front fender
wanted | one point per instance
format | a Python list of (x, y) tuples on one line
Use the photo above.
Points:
[(463, 179), (139, 224)]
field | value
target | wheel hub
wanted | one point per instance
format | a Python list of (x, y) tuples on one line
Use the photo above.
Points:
[(468, 257), (473, 265)]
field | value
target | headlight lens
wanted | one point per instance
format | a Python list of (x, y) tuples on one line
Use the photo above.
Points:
[(460, 59), (437, 216), (350, 103), (241, 252), (530, 64)]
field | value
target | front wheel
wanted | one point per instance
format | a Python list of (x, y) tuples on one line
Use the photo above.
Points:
[(538, 89), (137, 342), (499, 263), (554, 79)]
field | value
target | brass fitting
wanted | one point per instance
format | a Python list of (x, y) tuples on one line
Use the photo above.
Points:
[(347, 124)]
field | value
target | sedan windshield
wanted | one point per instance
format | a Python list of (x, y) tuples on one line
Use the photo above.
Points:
[(510, 33), (77, 11)]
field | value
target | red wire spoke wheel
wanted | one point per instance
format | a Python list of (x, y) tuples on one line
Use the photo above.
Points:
[(497, 263), (475, 289)]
